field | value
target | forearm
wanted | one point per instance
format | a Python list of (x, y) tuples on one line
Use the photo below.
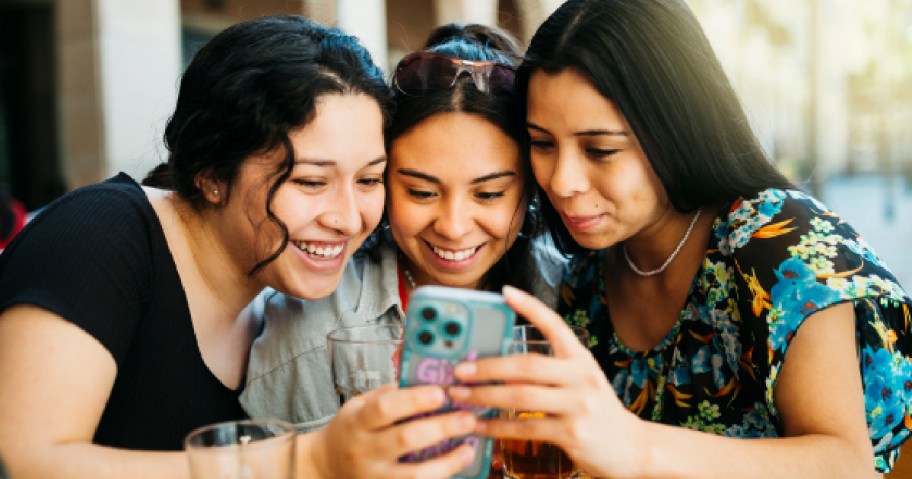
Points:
[(89, 461), (681, 453)]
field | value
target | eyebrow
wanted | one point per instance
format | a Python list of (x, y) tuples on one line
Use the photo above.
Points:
[(325, 163), (595, 132), (435, 180)]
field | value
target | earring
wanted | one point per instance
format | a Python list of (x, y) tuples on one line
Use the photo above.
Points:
[(215, 192)]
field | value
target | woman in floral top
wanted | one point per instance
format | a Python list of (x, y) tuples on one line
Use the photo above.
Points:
[(698, 271)]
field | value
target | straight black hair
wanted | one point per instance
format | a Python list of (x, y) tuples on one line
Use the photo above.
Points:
[(653, 61)]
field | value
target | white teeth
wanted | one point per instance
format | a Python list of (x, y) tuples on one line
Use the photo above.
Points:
[(327, 252), (454, 255)]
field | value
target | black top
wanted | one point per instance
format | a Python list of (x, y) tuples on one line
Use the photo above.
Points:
[(98, 258)]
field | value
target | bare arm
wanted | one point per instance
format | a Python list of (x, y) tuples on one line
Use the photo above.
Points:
[(819, 396), (55, 380)]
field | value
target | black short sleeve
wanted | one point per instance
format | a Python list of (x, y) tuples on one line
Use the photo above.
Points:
[(86, 257)]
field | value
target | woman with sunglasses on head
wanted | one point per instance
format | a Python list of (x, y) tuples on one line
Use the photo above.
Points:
[(119, 305), (457, 214), (722, 302)]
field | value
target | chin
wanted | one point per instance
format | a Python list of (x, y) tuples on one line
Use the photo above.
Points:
[(593, 243), (315, 288)]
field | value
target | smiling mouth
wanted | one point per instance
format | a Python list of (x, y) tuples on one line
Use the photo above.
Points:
[(320, 250), (454, 255)]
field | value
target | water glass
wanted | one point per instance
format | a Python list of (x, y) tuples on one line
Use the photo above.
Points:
[(364, 357), (251, 449)]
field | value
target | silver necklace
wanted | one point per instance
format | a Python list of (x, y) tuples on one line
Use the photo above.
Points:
[(408, 278), (668, 261)]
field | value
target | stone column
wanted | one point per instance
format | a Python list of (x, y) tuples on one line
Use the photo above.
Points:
[(532, 13), (119, 67), (466, 11), (139, 46), (322, 11), (366, 19), (81, 126)]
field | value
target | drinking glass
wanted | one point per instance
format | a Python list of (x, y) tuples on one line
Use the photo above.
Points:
[(527, 459), (251, 449), (364, 357)]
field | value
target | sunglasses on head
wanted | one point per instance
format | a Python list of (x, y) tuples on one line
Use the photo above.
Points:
[(422, 73)]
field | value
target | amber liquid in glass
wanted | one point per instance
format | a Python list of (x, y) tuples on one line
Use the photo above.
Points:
[(524, 459), (535, 460)]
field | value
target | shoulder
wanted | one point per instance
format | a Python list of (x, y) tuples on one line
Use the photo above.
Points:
[(91, 221), (113, 205), (761, 217), (89, 257), (796, 235)]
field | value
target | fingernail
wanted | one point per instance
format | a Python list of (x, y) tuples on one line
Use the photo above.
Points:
[(457, 392), (468, 455), (436, 395), (466, 369), (468, 421)]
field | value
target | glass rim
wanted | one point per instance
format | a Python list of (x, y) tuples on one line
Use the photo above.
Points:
[(581, 333), (288, 431)]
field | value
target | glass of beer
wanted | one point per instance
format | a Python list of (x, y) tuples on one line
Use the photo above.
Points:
[(363, 357), (526, 459)]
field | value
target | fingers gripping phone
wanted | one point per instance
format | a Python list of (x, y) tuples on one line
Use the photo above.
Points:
[(445, 326)]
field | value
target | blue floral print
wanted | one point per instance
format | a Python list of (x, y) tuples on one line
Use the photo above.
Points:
[(771, 262)]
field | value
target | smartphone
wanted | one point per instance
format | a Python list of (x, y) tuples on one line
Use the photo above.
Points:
[(443, 327)]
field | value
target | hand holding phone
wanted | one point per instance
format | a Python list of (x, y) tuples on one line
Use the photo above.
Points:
[(445, 326)]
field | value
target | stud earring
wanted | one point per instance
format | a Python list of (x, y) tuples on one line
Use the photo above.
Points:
[(215, 192)]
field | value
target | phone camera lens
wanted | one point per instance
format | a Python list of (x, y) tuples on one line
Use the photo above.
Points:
[(452, 328), (429, 314), (425, 338)]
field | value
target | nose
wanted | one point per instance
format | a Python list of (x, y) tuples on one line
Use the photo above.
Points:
[(454, 219), (343, 213), (568, 177)]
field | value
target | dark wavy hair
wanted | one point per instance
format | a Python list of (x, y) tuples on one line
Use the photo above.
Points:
[(243, 93), (477, 43), (653, 61)]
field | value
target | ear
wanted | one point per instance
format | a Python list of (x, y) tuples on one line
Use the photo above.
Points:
[(210, 188)]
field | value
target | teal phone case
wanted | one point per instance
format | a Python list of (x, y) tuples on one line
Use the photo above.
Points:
[(433, 346)]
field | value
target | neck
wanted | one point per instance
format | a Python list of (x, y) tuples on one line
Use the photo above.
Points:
[(211, 262), (669, 241)]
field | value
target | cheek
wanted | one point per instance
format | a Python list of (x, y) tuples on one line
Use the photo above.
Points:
[(635, 182), (504, 222), (404, 219), (372, 209), (541, 170)]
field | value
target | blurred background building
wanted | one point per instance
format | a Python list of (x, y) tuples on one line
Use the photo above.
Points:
[(87, 85)]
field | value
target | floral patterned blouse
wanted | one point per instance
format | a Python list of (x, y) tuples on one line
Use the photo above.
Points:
[(770, 263)]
